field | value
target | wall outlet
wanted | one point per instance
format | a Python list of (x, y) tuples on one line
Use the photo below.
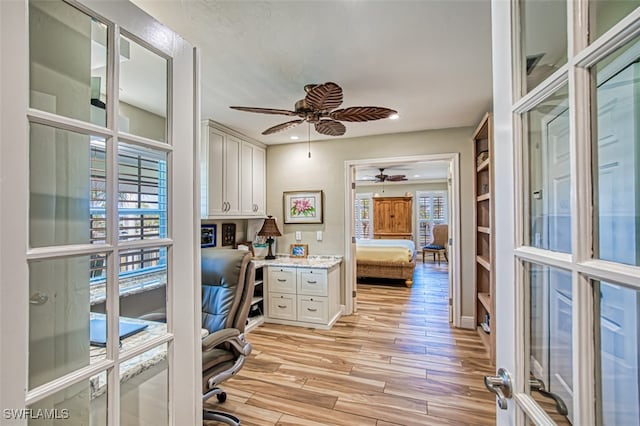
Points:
[(298, 236), (319, 235)]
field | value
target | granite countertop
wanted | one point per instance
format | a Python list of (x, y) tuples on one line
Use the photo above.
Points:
[(320, 262), (137, 364), (98, 294)]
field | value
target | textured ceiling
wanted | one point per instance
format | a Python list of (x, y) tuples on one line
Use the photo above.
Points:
[(430, 60)]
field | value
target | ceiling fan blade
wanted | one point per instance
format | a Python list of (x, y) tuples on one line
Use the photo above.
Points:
[(362, 113), (281, 127), (264, 110), (396, 178), (324, 97), (330, 127)]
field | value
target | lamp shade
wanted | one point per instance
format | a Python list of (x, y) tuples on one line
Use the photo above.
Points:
[(269, 228)]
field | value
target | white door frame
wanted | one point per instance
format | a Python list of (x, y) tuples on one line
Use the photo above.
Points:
[(185, 401), (454, 228)]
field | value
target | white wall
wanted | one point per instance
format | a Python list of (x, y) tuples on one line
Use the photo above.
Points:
[(289, 169)]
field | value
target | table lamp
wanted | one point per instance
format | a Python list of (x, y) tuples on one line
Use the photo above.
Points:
[(269, 230)]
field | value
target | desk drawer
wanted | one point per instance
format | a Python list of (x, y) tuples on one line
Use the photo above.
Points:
[(282, 306), (313, 309), (312, 282), (282, 280)]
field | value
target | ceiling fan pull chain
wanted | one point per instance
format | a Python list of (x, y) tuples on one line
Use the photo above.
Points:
[(309, 137)]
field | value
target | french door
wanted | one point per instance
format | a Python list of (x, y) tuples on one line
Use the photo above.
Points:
[(98, 217), (567, 119)]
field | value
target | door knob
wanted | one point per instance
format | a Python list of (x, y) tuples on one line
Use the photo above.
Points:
[(501, 386)]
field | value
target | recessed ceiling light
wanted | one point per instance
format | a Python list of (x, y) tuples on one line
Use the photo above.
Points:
[(394, 117), (416, 176), (295, 138)]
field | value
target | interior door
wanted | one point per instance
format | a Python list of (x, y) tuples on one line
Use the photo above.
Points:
[(72, 144)]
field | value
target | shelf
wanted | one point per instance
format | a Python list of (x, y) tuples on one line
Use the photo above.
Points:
[(486, 264), (486, 338), (483, 165), (485, 299), (256, 299), (484, 229), (484, 197), (253, 322)]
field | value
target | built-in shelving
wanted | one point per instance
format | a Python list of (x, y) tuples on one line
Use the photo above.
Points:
[(484, 239), (256, 311)]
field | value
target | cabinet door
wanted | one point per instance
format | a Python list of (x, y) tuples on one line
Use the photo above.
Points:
[(259, 181), (232, 175), (382, 216), (215, 167), (246, 179), (402, 216)]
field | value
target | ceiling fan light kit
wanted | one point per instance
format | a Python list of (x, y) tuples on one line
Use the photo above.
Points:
[(319, 107)]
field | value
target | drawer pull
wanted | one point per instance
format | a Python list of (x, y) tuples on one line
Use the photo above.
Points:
[(312, 310), (312, 282), (282, 280), (282, 306)]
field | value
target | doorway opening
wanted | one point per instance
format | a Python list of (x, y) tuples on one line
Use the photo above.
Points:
[(429, 180)]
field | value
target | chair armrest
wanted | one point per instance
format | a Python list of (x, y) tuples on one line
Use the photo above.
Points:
[(216, 338)]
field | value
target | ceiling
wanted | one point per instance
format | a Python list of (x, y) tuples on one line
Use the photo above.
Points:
[(429, 60), (417, 172)]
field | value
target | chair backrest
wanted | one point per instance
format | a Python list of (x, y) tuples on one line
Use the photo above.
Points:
[(227, 286), (440, 234)]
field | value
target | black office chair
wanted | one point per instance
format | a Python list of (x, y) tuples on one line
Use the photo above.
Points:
[(227, 288)]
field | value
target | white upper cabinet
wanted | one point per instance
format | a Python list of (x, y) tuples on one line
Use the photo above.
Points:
[(233, 175), (252, 180)]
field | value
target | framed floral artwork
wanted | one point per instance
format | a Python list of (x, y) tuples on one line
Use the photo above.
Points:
[(303, 207)]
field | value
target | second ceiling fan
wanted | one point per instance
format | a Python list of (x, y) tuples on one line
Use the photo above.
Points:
[(389, 178), (319, 107)]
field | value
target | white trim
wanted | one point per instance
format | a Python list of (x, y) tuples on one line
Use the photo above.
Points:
[(454, 229), (76, 376), (69, 124), (533, 410), (551, 258), (467, 322), (542, 91), (603, 270), (396, 183), (141, 141)]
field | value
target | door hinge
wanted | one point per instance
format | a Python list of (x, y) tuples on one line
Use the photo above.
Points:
[(353, 240), (450, 241), (450, 301), (353, 294), (353, 185)]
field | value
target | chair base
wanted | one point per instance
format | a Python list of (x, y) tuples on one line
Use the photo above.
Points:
[(220, 416)]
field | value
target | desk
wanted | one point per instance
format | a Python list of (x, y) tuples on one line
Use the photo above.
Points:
[(135, 365)]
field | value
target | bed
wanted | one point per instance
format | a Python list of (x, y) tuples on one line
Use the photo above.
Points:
[(386, 259)]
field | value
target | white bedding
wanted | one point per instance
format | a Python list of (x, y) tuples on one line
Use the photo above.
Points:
[(385, 250)]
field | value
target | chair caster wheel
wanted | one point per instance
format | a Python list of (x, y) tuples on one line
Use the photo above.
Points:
[(222, 397)]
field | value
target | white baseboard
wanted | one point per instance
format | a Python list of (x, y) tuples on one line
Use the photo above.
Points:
[(467, 322)]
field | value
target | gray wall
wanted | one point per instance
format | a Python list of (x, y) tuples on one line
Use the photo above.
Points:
[(289, 169)]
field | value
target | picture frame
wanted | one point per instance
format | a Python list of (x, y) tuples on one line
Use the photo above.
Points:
[(303, 206), (228, 234), (208, 235), (298, 250)]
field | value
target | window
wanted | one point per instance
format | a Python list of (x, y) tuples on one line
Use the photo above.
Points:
[(363, 216), (142, 207), (432, 210)]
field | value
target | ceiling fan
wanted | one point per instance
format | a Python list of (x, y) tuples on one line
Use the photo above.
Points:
[(318, 107), (389, 178)]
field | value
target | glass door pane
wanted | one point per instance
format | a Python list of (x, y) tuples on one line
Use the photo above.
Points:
[(549, 185), (619, 317), (68, 62), (550, 343), (544, 39), (616, 156)]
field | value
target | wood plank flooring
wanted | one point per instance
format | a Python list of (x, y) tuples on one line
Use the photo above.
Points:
[(397, 361)]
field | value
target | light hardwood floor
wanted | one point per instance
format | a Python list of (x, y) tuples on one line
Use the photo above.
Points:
[(396, 362)]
